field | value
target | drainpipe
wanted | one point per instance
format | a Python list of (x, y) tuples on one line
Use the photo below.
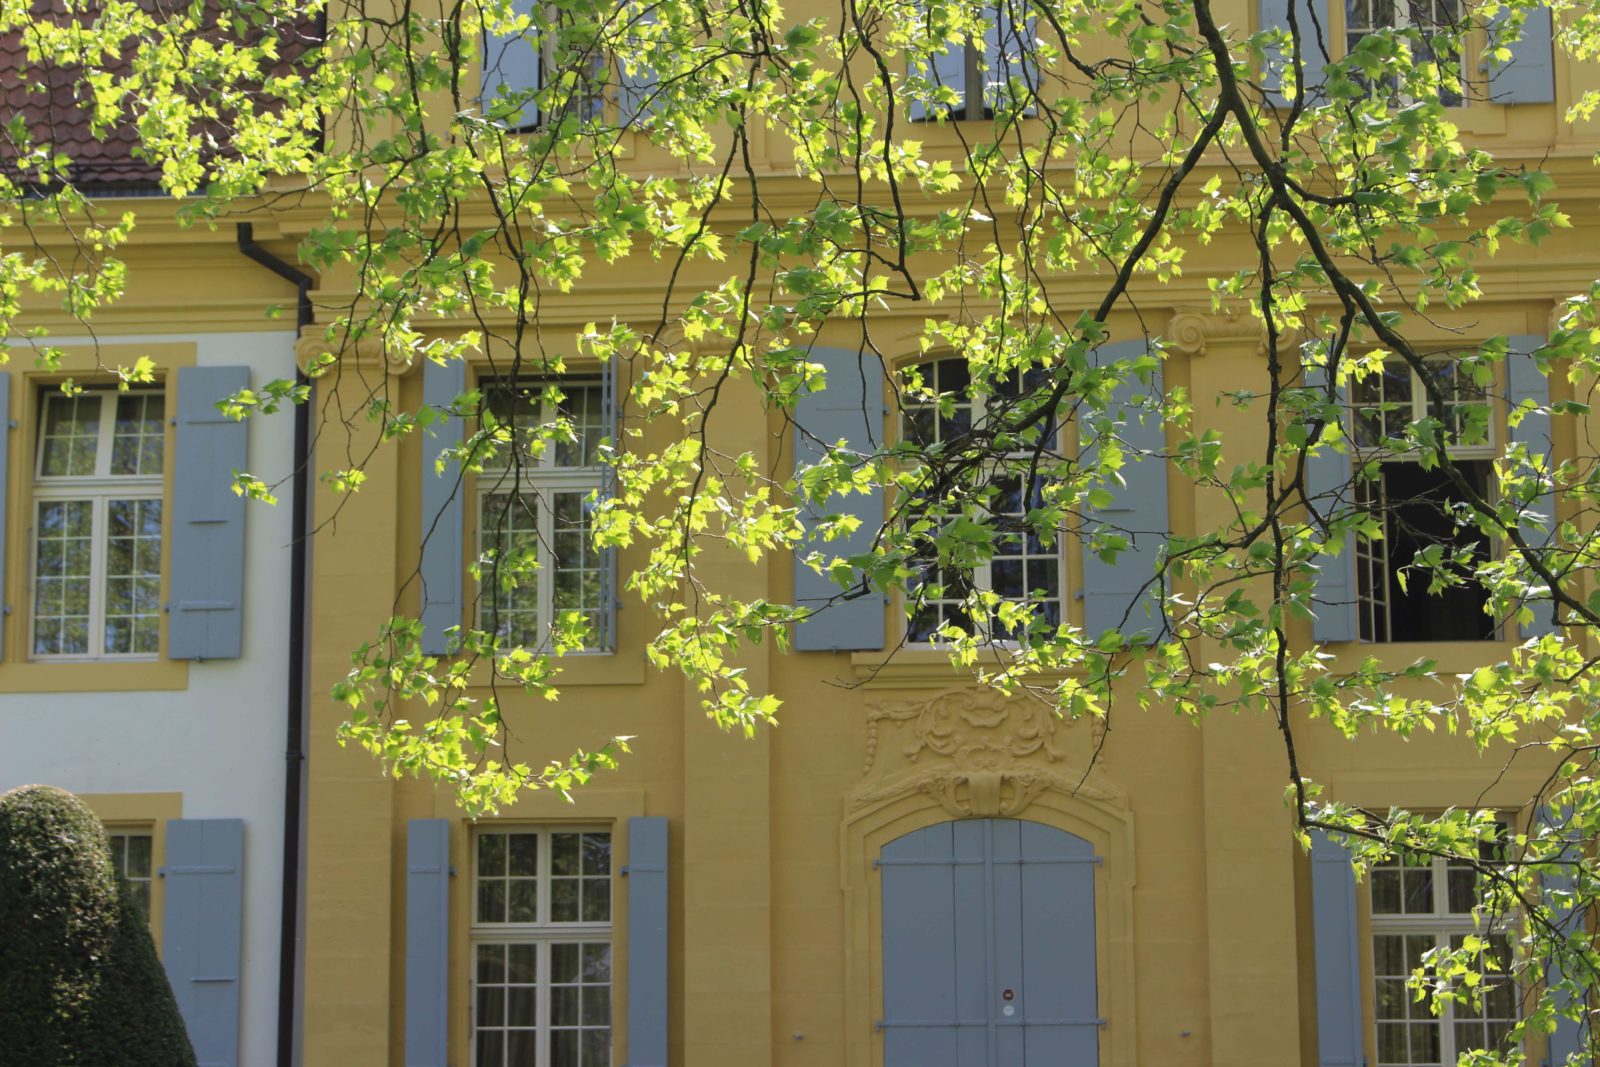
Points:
[(299, 683)]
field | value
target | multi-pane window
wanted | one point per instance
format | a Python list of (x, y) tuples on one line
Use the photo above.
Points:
[(1428, 17), (536, 498), (97, 525), (1420, 508), (1417, 908), (981, 73), (541, 948), (1023, 568), (130, 858)]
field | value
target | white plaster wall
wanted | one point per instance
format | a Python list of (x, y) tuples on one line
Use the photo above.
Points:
[(221, 743)]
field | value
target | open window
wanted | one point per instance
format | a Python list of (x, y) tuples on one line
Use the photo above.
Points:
[(1416, 581)]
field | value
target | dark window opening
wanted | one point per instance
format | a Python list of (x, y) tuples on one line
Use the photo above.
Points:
[(1420, 508)]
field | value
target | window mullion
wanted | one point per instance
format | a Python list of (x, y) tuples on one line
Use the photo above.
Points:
[(97, 574), (546, 517)]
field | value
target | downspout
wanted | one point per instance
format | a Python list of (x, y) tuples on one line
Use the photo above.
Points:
[(299, 683)]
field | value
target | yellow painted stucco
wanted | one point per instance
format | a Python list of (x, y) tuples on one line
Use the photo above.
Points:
[(1202, 899)]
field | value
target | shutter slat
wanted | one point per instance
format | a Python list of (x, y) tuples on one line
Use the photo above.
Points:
[(5, 466), (1526, 383), (511, 65), (443, 510), (208, 518), (850, 408), (1335, 594), (202, 932), (1139, 512), (427, 942), (647, 941), (1567, 1039), (1529, 76), (1338, 955), (1313, 26)]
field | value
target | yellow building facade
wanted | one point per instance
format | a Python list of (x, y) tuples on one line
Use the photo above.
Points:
[(1202, 941), (1192, 922)]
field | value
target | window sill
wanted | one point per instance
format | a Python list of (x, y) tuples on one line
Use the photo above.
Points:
[(95, 676), (576, 669), (919, 665), (1452, 657)]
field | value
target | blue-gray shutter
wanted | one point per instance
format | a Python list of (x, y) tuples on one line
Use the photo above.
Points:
[(1568, 1036), (1338, 955), (443, 509), (427, 942), (5, 465), (636, 88), (1529, 76), (511, 65), (949, 70), (202, 932), (1139, 512), (973, 909), (647, 941), (849, 409), (1311, 18), (1009, 42), (1335, 594), (207, 554), (610, 592), (1525, 382)]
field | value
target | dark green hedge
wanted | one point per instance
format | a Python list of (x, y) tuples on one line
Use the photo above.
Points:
[(80, 984)]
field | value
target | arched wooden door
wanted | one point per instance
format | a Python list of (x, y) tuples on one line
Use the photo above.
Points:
[(989, 947)]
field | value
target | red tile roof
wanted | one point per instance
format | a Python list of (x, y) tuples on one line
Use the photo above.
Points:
[(45, 93)]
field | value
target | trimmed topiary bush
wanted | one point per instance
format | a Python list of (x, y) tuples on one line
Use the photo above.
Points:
[(133, 1020), (80, 984)]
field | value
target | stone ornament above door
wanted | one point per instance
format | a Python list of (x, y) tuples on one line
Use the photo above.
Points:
[(977, 753)]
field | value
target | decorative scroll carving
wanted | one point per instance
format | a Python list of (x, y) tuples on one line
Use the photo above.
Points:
[(1190, 329), (965, 722), (978, 741)]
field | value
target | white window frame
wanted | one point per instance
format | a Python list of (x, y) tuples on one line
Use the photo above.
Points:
[(542, 933), (1403, 20), (120, 838), (99, 489), (976, 404), (1375, 554), (1441, 925), (537, 481)]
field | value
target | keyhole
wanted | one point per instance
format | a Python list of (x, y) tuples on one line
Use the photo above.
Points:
[(1008, 995)]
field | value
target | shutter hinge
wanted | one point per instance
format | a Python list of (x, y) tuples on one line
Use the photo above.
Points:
[(643, 868)]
